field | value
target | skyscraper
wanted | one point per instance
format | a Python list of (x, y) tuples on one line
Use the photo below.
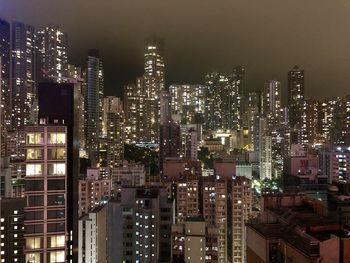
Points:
[(47, 216), (222, 105), (93, 102), (23, 74), (114, 122), (296, 94), (170, 141), (5, 96), (154, 62), (134, 108), (188, 102), (142, 101), (58, 106), (296, 83), (271, 98), (52, 60)]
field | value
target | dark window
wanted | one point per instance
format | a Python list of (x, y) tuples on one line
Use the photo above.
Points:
[(34, 215), (56, 227), (52, 214), (34, 185), (55, 199), (35, 200), (33, 229), (56, 184)]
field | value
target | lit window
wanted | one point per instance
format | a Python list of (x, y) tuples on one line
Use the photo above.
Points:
[(34, 169), (58, 241), (34, 138), (33, 243), (57, 256), (33, 258), (57, 138)]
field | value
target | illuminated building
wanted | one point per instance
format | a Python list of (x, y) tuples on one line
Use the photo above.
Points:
[(52, 58), (93, 103), (23, 74), (93, 191), (113, 119), (142, 100), (188, 102), (340, 164), (136, 227), (12, 229), (46, 211), (5, 95), (214, 203), (223, 102), (241, 213), (57, 107)]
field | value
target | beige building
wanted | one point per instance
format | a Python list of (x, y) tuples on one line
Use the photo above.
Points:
[(93, 191), (93, 236), (187, 198), (241, 213), (46, 218), (214, 191)]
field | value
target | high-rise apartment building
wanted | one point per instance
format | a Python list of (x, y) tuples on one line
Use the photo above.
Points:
[(170, 141), (271, 99), (296, 95), (58, 106), (134, 109), (189, 142), (223, 102), (240, 214), (23, 74), (136, 227), (94, 103), (12, 229), (5, 96), (154, 62), (93, 235), (214, 203), (142, 101), (340, 164), (265, 150), (188, 102), (296, 86), (46, 212), (113, 123), (187, 198), (93, 191), (52, 58)]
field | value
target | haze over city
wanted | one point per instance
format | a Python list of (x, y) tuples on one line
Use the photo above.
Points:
[(266, 37), (174, 131)]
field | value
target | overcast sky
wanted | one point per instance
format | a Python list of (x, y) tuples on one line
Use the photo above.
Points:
[(267, 37)]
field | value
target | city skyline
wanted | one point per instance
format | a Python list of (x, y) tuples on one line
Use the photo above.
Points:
[(204, 38), (214, 152)]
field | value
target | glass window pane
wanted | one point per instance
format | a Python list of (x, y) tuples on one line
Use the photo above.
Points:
[(57, 256), (57, 241), (35, 154), (33, 258), (33, 243), (34, 138), (34, 169), (56, 169), (57, 138)]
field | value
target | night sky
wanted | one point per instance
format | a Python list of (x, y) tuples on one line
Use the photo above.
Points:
[(268, 37)]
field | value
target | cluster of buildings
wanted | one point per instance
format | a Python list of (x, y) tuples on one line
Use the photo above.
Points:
[(69, 195)]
